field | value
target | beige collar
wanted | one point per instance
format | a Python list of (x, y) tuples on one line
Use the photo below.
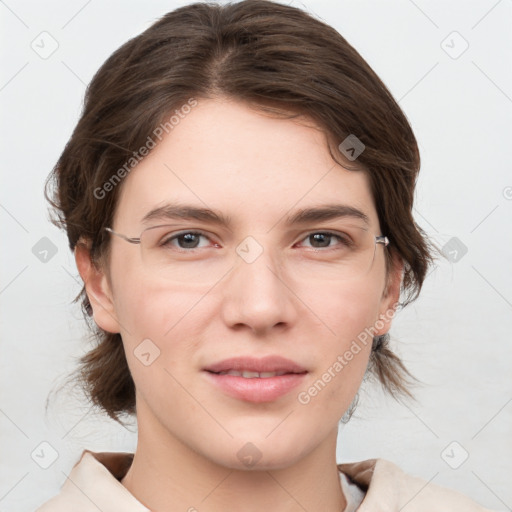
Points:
[(94, 484)]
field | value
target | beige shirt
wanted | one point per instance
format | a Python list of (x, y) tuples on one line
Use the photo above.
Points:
[(374, 485)]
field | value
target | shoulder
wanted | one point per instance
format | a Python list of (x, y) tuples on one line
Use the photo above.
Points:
[(388, 488), (94, 484)]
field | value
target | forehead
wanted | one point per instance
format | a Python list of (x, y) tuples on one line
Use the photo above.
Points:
[(227, 157)]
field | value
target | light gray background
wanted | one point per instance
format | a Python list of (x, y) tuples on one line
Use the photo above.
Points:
[(456, 337)]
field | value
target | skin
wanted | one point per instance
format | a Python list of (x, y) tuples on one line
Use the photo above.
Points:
[(189, 432)]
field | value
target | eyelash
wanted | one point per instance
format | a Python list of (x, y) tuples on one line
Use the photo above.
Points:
[(344, 240)]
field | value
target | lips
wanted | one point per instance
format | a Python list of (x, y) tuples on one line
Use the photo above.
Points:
[(255, 380), (252, 375), (250, 367)]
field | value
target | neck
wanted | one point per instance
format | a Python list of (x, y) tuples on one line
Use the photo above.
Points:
[(166, 475)]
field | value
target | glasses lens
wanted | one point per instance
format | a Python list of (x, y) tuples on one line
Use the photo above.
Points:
[(190, 257)]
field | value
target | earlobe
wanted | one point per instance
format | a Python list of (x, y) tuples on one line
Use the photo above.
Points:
[(97, 289), (391, 296)]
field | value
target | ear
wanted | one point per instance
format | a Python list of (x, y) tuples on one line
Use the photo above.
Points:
[(390, 296), (97, 288)]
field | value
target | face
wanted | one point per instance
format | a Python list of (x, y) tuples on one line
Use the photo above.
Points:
[(256, 288)]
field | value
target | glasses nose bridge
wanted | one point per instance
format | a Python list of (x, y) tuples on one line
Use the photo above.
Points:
[(253, 249), (258, 280)]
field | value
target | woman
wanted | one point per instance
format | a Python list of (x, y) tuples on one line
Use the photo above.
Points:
[(238, 195)]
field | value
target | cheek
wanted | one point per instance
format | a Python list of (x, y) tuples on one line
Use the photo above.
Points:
[(348, 311), (154, 319), (346, 308), (145, 306)]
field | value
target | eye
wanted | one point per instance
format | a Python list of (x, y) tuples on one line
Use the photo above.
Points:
[(323, 239), (189, 240), (185, 240)]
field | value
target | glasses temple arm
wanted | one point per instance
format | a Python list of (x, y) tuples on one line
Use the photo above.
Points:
[(124, 237)]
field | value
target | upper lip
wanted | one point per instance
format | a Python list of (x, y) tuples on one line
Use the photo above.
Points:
[(252, 364)]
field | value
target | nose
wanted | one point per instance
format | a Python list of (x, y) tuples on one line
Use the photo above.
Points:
[(256, 294)]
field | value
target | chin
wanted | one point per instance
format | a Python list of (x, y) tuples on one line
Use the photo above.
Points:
[(259, 453), (264, 461)]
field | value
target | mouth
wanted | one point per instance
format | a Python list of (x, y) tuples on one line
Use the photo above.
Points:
[(251, 367), (246, 374), (255, 380)]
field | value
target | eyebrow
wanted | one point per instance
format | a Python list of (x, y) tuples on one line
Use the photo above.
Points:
[(187, 212), (302, 216)]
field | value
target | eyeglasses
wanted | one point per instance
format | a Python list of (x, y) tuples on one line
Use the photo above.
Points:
[(178, 256)]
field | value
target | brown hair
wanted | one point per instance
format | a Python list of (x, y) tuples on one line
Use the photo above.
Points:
[(274, 57)]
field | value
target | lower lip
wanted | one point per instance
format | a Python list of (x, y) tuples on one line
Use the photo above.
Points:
[(257, 389)]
